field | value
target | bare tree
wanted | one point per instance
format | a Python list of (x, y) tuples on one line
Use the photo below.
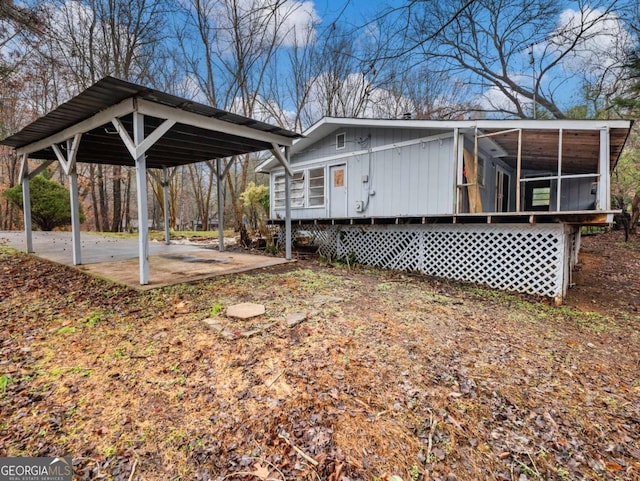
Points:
[(519, 54), (229, 49), (86, 40)]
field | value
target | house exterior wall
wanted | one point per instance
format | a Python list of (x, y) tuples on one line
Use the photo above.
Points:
[(392, 173), (395, 172)]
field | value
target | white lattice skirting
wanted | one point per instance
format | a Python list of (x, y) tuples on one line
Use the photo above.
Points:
[(533, 259)]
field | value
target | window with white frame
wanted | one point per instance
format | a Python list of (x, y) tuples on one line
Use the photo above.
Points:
[(341, 141), (297, 190), (316, 187), (303, 194)]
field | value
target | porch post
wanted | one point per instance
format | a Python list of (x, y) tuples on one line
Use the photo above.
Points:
[(141, 185), (559, 181), (603, 200), (457, 168), (165, 195), (287, 197), (220, 205), (26, 208), (518, 170)]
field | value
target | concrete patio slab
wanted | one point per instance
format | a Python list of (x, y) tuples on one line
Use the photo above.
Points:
[(117, 259)]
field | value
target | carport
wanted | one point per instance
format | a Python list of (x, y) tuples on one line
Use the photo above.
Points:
[(114, 122)]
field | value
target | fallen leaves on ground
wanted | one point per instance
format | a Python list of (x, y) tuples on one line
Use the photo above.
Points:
[(391, 376)]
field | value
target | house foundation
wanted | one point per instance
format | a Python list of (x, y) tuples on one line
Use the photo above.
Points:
[(528, 258)]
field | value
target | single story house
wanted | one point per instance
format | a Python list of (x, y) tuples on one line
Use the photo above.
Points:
[(496, 202)]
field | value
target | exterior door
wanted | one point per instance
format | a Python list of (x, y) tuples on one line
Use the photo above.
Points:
[(338, 191), (502, 190)]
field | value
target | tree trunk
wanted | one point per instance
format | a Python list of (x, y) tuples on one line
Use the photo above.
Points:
[(102, 198), (127, 201), (94, 198), (635, 213), (116, 220)]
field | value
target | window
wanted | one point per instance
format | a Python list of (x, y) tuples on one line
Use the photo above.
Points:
[(297, 190), (541, 196), (303, 194), (316, 187), (341, 141)]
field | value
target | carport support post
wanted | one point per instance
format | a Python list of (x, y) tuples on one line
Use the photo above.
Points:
[(75, 216), (26, 207), (141, 184), (287, 200), (165, 195), (220, 206)]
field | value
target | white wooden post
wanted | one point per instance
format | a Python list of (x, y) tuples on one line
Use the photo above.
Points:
[(72, 148), (220, 205), (26, 208), (458, 142), (559, 181), (604, 200), (141, 184), (519, 170), (287, 197), (75, 216), (165, 195)]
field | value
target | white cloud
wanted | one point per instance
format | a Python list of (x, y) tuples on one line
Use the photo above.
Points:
[(494, 99), (289, 22), (188, 87), (353, 96), (602, 43)]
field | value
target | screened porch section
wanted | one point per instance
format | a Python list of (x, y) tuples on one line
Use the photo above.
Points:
[(546, 168)]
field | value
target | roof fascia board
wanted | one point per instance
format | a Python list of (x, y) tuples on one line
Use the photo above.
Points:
[(462, 124), (153, 109), (416, 124), (264, 166), (554, 124), (103, 117)]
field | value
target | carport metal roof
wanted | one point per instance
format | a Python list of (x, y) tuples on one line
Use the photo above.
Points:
[(119, 123), (200, 132)]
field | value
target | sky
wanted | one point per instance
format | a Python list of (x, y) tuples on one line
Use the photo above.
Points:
[(356, 13)]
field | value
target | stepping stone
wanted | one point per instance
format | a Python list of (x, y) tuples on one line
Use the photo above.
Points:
[(319, 300), (219, 328), (296, 318), (246, 310)]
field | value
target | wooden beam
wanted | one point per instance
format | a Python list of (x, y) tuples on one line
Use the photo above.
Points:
[(101, 118), (283, 161), (473, 190), (164, 112)]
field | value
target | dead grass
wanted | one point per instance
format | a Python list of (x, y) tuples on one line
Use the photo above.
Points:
[(397, 375)]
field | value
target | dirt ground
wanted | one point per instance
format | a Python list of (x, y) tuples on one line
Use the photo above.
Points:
[(389, 376), (608, 275)]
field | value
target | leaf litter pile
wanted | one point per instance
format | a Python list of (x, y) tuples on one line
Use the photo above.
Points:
[(382, 376)]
